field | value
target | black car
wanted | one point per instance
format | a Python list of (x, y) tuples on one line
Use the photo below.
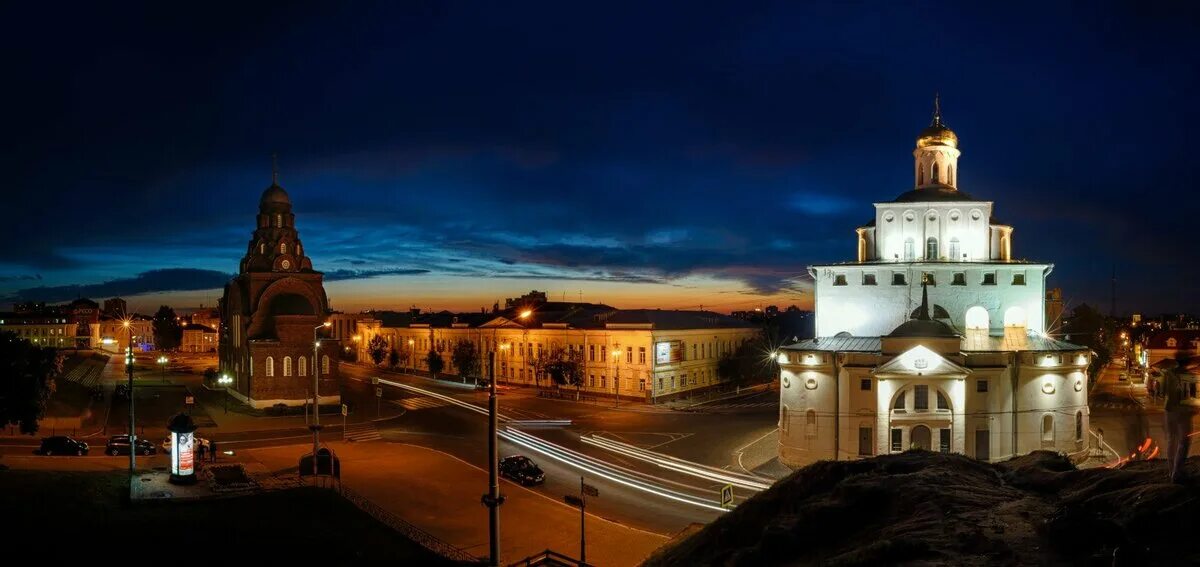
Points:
[(62, 445), (119, 445), (518, 468)]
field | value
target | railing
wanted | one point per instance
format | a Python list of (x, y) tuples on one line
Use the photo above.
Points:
[(549, 557), (421, 537)]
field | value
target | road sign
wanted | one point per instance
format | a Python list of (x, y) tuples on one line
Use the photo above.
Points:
[(189, 400), (591, 491), (378, 392), (727, 496), (345, 410), (375, 381)]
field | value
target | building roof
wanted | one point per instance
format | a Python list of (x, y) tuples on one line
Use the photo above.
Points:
[(274, 195), (935, 194), (573, 316), (1009, 343), (1183, 338), (198, 327), (923, 328), (673, 319)]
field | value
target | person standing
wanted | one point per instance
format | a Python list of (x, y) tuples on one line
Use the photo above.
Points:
[(1178, 422), (212, 450)]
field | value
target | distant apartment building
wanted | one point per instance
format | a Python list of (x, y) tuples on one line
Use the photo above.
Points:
[(643, 354), (198, 338), (42, 329), (344, 328), (113, 336)]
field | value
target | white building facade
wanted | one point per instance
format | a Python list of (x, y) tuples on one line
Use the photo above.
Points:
[(933, 338)]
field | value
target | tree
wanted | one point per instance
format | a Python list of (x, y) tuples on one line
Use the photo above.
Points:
[(1090, 328), (537, 364), (393, 358), (750, 361), (465, 357), (378, 349), (167, 332), (435, 362), (26, 381), (210, 377), (565, 367)]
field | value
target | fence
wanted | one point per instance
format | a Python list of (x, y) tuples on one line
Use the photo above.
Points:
[(421, 537)]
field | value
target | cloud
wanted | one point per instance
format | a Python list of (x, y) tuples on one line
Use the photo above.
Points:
[(344, 274), (21, 278), (167, 279)]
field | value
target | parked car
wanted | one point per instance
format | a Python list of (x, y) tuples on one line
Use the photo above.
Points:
[(518, 468), (119, 445), (482, 384), (62, 445)]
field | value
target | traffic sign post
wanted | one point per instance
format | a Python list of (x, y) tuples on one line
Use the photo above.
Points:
[(580, 501), (378, 396), (727, 496), (345, 410)]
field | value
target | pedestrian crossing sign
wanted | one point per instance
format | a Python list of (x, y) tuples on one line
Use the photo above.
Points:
[(727, 496)]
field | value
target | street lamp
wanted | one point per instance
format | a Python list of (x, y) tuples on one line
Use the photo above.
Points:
[(411, 353), (162, 363), (316, 366), (616, 354), (493, 499), (129, 370), (225, 380)]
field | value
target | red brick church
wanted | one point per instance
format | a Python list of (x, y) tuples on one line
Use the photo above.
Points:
[(269, 312)]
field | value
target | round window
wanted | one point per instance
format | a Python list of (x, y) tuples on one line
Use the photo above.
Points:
[(1048, 388), (1078, 385), (811, 383), (975, 215), (787, 382), (909, 217), (932, 218), (286, 264), (889, 217), (954, 216)]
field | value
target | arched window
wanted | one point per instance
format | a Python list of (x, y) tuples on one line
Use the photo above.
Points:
[(287, 366), (325, 364), (921, 438), (933, 173), (931, 248), (785, 421), (278, 221), (303, 367), (1172, 343), (909, 250), (810, 423), (920, 176), (942, 402), (270, 366), (283, 248), (262, 248), (1048, 428), (898, 405), (954, 249), (1079, 426), (1014, 317), (977, 319), (950, 174), (252, 366)]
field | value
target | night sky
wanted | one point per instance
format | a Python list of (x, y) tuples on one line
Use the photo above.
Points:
[(446, 154)]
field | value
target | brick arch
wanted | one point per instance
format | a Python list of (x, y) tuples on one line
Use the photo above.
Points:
[(262, 321)]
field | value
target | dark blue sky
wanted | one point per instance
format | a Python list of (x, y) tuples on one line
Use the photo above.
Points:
[(449, 154)]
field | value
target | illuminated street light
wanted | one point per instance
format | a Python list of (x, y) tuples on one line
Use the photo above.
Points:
[(616, 354), (225, 380), (316, 367), (525, 314), (162, 363)]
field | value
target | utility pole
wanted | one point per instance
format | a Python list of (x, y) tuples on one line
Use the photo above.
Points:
[(132, 428), (492, 499)]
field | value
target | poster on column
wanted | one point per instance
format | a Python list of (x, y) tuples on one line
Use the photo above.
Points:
[(182, 461)]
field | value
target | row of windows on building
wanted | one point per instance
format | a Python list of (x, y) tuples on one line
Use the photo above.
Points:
[(301, 364), (901, 278), (920, 435), (37, 332), (595, 353), (262, 248), (665, 383)]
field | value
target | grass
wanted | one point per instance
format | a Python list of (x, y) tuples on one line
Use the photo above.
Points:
[(71, 516)]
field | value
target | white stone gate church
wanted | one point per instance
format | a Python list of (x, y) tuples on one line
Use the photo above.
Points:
[(933, 337)]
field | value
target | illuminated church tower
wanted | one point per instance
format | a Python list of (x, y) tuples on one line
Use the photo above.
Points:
[(269, 312), (933, 337)]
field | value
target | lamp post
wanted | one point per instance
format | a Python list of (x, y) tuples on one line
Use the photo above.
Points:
[(225, 381), (616, 355), (129, 371), (492, 499), (316, 423), (411, 353), (162, 363)]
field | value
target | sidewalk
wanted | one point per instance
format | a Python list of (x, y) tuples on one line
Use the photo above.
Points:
[(440, 494)]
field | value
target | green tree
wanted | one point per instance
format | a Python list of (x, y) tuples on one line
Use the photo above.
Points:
[(565, 367), (378, 349), (1090, 328), (393, 358), (26, 381), (435, 362), (210, 377), (465, 357), (167, 332)]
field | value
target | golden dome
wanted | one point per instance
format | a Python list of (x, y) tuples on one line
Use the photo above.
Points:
[(937, 133)]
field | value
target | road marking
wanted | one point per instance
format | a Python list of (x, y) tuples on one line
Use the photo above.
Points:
[(414, 404), (362, 432)]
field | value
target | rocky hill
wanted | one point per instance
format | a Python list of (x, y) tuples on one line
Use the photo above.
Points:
[(923, 508)]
